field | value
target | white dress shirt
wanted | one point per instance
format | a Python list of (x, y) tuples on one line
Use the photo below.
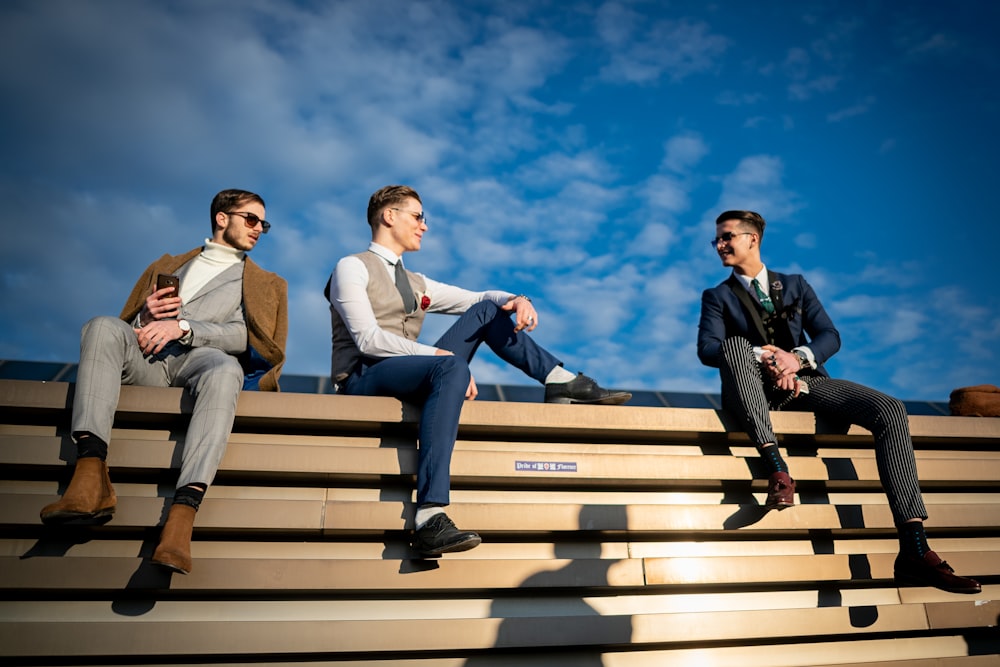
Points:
[(349, 296)]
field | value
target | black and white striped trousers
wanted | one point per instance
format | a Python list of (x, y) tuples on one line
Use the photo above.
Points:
[(747, 395)]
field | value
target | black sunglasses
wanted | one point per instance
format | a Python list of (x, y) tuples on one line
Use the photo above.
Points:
[(726, 237), (251, 220)]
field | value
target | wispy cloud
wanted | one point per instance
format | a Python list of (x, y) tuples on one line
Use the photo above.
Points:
[(858, 109), (577, 153), (642, 52), (757, 184)]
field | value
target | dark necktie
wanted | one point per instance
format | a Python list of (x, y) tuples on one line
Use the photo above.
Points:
[(765, 300), (405, 291)]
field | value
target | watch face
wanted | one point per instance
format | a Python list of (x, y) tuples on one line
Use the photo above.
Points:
[(183, 324)]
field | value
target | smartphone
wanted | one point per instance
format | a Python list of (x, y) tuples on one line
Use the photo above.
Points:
[(164, 280)]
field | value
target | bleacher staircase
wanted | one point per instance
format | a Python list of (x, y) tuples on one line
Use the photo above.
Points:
[(615, 536)]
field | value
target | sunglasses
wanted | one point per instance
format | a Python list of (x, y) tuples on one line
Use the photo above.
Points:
[(251, 220), (726, 237), (419, 216)]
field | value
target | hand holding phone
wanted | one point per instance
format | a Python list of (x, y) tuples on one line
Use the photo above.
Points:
[(160, 307), (165, 280)]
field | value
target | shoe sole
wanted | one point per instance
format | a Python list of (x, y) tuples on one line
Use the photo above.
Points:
[(779, 506), (454, 547), (82, 518), (610, 400), (906, 580), (170, 566)]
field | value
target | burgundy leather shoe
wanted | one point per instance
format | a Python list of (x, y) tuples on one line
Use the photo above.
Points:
[(780, 491), (932, 571)]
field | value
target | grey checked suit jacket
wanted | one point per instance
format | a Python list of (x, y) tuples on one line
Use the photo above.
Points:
[(216, 312)]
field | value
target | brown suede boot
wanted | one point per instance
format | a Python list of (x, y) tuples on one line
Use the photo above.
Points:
[(174, 550), (88, 496)]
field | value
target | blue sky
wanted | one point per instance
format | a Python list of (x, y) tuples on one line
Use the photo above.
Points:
[(575, 151)]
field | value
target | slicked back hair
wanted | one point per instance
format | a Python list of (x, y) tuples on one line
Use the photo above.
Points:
[(227, 200), (750, 219), (390, 195)]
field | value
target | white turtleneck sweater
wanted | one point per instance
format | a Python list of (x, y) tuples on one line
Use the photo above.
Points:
[(213, 260)]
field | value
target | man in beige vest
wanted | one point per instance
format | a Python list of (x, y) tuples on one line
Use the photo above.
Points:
[(377, 309)]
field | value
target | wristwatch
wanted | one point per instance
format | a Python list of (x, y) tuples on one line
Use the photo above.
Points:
[(184, 325), (803, 359)]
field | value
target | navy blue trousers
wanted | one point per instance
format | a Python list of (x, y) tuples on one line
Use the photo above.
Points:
[(438, 385)]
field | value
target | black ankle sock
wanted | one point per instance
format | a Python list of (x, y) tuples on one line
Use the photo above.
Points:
[(88, 445), (913, 539), (772, 459), (190, 496)]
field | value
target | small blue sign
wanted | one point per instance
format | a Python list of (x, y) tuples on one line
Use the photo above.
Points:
[(545, 466)]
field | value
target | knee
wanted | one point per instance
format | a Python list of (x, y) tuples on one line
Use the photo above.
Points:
[(485, 311), (226, 374), (104, 328), (104, 324), (893, 411), (736, 347), (231, 371), (452, 369)]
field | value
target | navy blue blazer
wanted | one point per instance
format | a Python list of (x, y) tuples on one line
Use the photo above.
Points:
[(729, 310)]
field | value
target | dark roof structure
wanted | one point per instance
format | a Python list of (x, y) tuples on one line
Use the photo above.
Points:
[(53, 371)]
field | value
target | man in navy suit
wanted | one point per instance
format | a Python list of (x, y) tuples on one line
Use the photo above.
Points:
[(769, 336)]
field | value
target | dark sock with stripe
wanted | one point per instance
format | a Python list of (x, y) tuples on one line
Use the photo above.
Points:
[(89, 445), (913, 539), (189, 495), (772, 459)]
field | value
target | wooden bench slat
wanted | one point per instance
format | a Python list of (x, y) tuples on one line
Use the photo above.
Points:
[(655, 541), (159, 637), (470, 466), (315, 410)]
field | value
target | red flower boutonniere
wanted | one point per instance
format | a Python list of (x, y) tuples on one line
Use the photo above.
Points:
[(425, 302)]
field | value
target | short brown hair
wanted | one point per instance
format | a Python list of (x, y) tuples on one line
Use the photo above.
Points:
[(746, 218), (226, 200), (387, 196)]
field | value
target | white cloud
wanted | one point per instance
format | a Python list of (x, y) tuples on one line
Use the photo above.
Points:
[(757, 185), (738, 99), (806, 240), (804, 90), (541, 137), (641, 52), (683, 152), (858, 109), (666, 193)]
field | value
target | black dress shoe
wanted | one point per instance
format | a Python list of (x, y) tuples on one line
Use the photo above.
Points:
[(932, 571), (439, 535), (583, 389)]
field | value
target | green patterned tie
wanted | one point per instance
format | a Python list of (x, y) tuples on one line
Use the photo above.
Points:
[(765, 300)]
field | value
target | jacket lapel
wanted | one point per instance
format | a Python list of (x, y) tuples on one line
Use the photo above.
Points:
[(777, 291), (750, 306), (234, 272)]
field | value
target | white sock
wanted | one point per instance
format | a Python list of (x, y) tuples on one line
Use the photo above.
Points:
[(559, 375), (425, 513)]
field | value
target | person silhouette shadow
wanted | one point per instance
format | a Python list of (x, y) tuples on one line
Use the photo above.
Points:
[(549, 615)]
